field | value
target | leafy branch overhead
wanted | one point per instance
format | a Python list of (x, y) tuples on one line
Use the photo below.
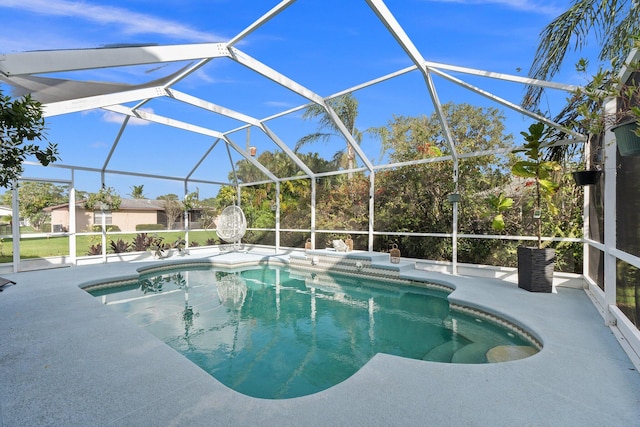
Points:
[(21, 120), (587, 102)]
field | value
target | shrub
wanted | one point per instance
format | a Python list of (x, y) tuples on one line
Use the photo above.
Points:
[(95, 249), (109, 227), (194, 244), (142, 242), (119, 246), (211, 242), (149, 227)]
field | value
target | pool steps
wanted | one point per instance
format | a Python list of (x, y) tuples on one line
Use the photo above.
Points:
[(356, 262), (379, 266)]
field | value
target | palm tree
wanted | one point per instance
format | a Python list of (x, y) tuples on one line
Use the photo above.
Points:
[(137, 192), (346, 107), (614, 23)]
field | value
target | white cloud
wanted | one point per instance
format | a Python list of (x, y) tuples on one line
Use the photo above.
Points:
[(111, 117), (522, 5), (278, 104), (130, 22), (99, 144)]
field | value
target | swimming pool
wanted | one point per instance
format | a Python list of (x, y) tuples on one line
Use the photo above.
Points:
[(270, 333)]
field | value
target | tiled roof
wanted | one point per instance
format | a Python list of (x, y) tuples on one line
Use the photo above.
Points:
[(126, 204), (142, 204)]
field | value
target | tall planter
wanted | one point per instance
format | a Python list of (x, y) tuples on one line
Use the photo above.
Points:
[(535, 269), (627, 140)]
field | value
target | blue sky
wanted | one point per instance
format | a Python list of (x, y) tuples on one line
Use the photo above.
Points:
[(327, 46)]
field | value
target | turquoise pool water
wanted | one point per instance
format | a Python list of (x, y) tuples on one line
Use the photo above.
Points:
[(270, 333)]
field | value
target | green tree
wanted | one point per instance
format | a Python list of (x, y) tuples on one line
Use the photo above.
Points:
[(413, 198), (20, 120), (34, 197), (107, 198), (259, 201), (137, 192), (173, 209)]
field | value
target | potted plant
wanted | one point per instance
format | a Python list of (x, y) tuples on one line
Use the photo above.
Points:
[(536, 264)]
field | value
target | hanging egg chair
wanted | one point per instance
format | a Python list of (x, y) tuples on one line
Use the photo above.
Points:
[(232, 225)]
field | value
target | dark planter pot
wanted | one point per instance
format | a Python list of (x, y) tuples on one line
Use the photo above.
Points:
[(535, 269), (628, 142), (586, 177)]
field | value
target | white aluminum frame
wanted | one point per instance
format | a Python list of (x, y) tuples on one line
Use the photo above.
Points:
[(14, 66)]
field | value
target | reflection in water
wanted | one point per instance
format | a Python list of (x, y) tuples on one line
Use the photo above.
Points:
[(232, 291), (272, 334)]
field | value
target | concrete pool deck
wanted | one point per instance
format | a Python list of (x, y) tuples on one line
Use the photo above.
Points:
[(66, 360)]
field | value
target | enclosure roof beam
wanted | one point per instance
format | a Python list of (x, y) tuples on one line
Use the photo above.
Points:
[(347, 135), (341, 172), (209, 106), (163, 120), (508, 104), (99, 101), (260, 21), (211, 147), (123, 126), (396, 30), (54, 61), (288, 151), (119, 172), (273, 75), (502, 76), (250, 159), (283, 80), (175, 78), (192, 100)]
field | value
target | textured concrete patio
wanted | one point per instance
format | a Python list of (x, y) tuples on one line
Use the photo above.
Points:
[(66, 360)]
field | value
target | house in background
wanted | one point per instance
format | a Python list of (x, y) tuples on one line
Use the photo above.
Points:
[(5, 221), (5, 211), (130, 214)]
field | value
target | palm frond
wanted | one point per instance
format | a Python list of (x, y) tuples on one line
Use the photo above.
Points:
[(308, 139), (604, 18)]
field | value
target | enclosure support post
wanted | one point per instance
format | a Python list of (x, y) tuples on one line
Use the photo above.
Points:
[(277, 216), (15, 226), (186, 218), (610, 213), (454, 243), (586, 206), (313, 212), (72, 219), (103, 221), (372, 180)]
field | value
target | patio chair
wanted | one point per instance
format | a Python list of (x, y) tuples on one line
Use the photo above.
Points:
[(232, 225), (5, 282)]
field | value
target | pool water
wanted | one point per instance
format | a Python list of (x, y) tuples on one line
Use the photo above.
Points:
[(268, 333)]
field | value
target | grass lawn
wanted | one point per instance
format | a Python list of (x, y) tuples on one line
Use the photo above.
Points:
[(41, 247)]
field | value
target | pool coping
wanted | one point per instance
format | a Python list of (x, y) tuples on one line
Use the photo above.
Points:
[(89, 366)]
